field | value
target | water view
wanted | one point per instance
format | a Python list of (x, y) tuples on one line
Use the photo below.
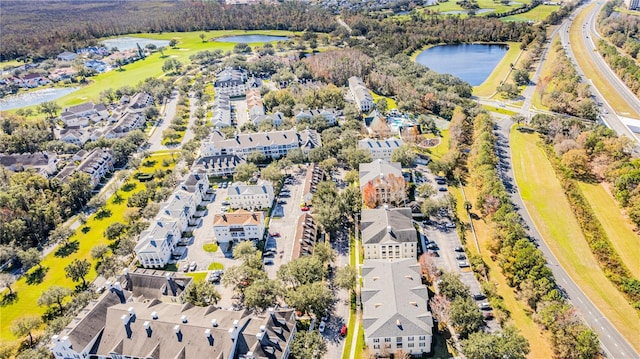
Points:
[(472, 63), (252, 38), (34, 97), (128, 42), (476, 11)]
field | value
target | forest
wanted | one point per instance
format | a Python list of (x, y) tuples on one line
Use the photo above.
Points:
[(23, 36)]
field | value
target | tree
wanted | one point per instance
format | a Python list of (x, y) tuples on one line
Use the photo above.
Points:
[(272, 173), (308, 345), (382, 105), (202, 294), (356, 157), (313, 298), (114, 231), (301, 271), (351, 200), (295, 156), (426, 190), (261, 294), (172, 66), (24, 326), (245, 171), (465, 315), (440, 307), (109, 266), (49, 108), (403, 154), (7, 280), (577, 162), (520, 77), (173, 43), (61, 234), (244, 250), (324, 252), (202, 37), (452, 287), (54, 295), (30, 258), (99, 251), (346, 277), (78, 270), (170, 135), (509, 344), (257, 157)]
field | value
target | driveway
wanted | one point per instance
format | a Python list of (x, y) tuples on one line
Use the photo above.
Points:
[(241, 114)]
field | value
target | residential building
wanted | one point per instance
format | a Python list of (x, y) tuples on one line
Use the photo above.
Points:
[(218, 165), (66, 56), (231, 82), (94, 50), (140, 101), (75, 135), (248, 196), (96, 65), (180, 207), (255, 107), (273, 144), (97, 164), (156, 243), (198, 184), (382, 182), (276, 118), (240, 225), (313, 176), (329, 115), (44, 163), (81, 115), (388, 233), (63, 73), (33, 80), (221, 111), (632, 4), (306, 236), (380, 149), (395, 314), (360, 94)]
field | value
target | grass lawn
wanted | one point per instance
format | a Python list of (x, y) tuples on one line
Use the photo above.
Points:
[(210, 247), (391, 103), (440, 348), (488, 87), (442, 148), (580, 51), (618, 228), (561, 231), (499, 110), (540, 13), (215, 266), (346, 353), (28, 294), (197, 276), (546, 73), (520, 317)]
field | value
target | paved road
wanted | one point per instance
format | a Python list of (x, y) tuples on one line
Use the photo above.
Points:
[(155, 140), (608, 113), (612, 342)]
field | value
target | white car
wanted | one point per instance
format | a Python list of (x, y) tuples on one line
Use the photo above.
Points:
[(193, 266), (321, 327)]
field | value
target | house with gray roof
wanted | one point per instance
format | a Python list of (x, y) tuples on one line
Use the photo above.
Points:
[(96, 164), (44, 163), (250, 196), (360, 94), (388, 233), (273, 144), (380, 149), (156, 244), (381, 182), (329, 115), (395, 314), (231, 82), (217, 165), (221, 111)]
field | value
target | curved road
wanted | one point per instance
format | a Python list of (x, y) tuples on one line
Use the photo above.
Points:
[(613, 344)]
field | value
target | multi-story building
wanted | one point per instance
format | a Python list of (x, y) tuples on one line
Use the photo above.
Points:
[(218, 165), (237, 226), (632, 4), (248, 196), (380, 149), (382, 182), (360, 94), (80, 115), (273, 144), (141, 316), (255, 107), (231, 82), (395, 314), (156, 244), (44, 163), (329, 115), (96, 164), (388, 233), (221, 111)]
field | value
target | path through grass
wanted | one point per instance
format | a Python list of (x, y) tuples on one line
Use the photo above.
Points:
[(553, 216)]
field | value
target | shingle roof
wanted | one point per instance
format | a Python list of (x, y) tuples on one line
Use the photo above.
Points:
[(373, 170), (239, 217), (370, 143), (217, 163), (239, 188), (387, 225), (394, 299)]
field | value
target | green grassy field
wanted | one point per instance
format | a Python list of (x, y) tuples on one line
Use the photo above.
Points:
[(539, 13), (197, 276), (618, 228), (441, 149), (520, 313), (215, 266), (483, 4), (488, 87), (28, 294), (559, 228), (391, 103), (580, 52)]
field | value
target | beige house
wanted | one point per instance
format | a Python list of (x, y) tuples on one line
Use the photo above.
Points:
[(381, 182), (388, 233)]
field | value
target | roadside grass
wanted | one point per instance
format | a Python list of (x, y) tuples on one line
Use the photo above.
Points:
[(488, 87), (390, 102), (346, 353), (27, 295), (442, 148), (499, 110), (627, 11), (215, 266), (561, 232), (197, 276), (540, 13), (520, 314), (545, 73), (210, 247), (618, 228), (591, 72)]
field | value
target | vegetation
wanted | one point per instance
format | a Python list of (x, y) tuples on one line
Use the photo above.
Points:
[(202, 294), (308, 345)]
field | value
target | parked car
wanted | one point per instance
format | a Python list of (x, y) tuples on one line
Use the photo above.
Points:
[(275, 234), (432, 245), (343, 330), (441, 182), (268, 261), (304, 209), (225, 203), (478, 296), (321, 327), (282, 201), (463, 264), (485, 306), (442, 189), (285, 195), (458, 249), (193, 266), (450, 225), (440, 178), (461, 257), (488, 315), (185, 267)]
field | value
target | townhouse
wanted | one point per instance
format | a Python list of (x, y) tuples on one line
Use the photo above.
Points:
[(360, 94), (381, 182), (328, 115), (231, 82), (44, 163), (237, 226), (96, 164), (250, 196), (388, 233)]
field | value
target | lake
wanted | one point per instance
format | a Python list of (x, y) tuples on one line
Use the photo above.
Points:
[(472, 63), (252, 38), (34, 97), (460, 12), (128, 42)]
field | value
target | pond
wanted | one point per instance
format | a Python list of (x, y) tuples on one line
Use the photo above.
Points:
[(252, 38), (34, 97), (472, 63), (128, 42), (459, 12)]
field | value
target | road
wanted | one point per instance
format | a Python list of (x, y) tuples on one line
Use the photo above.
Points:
[(621, 90), (155, 139), (614, 345)]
